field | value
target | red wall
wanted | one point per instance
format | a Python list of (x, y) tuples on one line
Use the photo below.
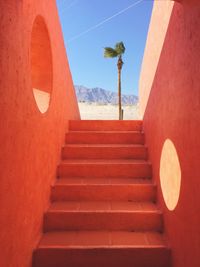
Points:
[(30, 142), (173, 111)]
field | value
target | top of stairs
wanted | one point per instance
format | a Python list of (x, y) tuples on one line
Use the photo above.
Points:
[(103, 125)]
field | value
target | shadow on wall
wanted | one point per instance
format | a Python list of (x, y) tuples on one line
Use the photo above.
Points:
[(173, 114)]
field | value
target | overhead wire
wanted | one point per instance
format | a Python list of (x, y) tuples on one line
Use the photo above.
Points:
[(104, 21)]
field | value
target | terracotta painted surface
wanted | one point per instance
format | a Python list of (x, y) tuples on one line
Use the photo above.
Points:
[(173, 112), (103, 210), (161, 12), (30, 141)]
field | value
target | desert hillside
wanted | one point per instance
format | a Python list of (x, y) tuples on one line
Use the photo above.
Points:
[(102, 96)]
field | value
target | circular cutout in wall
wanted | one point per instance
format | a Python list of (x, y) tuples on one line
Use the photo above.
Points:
[(170, 174), (41, 64)]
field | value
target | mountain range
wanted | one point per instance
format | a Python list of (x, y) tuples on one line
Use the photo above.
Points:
[(102, 96)]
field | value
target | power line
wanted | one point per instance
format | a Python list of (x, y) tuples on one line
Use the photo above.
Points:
[(104, 21)]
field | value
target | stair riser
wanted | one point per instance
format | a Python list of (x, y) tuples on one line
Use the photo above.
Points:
[(86, 234), (142, 170), (104, 138), (104, 192), (130, 221), (105, 125), (102, 257), (104, 152)]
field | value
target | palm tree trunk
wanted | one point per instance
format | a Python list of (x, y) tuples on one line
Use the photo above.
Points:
[(119, 94), (119, 65)]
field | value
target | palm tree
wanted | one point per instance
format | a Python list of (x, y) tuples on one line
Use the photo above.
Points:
[(117, 51)]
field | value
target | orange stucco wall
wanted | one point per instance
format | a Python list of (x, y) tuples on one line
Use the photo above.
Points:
[(170, 104), (30, 141)]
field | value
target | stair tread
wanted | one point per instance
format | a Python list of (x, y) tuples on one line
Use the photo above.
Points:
[(104, 151), (98, 189), (105, 161), (105, 137), (107, 145), (103, 206), (104, 131), (102, 239), (103, 210), (105, 124), (106, 121), (103, 181)]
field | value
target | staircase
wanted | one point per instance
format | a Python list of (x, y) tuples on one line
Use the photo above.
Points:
[(103, 211)]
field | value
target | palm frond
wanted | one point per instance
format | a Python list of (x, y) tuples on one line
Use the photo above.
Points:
[(110, 52), (120, 48)]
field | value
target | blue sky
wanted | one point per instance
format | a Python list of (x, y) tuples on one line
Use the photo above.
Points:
[(85, 50)]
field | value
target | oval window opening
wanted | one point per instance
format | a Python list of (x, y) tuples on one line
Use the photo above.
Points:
[(41, 64)]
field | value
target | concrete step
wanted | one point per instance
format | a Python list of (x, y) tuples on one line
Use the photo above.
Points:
[(105, 137), (104, 151), (98, 189), (103, 125), (102, 248), (105, 168), (103, 215), (103, 210)]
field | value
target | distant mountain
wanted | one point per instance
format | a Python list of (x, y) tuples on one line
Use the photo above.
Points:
[(102, 96)]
